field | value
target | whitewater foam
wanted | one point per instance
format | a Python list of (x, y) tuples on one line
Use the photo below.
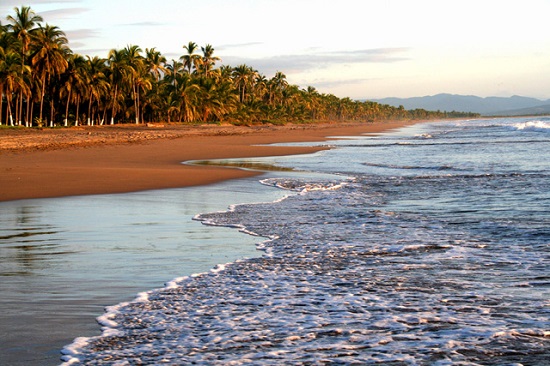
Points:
[(536, 126)]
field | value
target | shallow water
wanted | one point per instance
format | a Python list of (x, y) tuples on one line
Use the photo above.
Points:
[(63, 260), (436, 250)]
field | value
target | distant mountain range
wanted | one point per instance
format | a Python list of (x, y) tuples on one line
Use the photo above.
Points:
[(490, 106)]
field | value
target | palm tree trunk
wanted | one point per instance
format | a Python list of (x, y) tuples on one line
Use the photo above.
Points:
[(21, 114), (17, 109), (92, 114), (135, 102), (89, 110), (77, 111), (52, 113), (67, 109), (113, 111), (28, 118), (104, 115), (9, 114), (43, 91), (140, 117), (1, 106)]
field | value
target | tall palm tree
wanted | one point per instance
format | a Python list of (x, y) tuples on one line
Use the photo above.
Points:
[(208, 59), (260, 87), (5, 42), (172, 70), (96, 82), (49, 59), (276, 85), (217, 99), (143, 84), (134, 60), (191, 59), (312, 101), (244, 77), (185, 94), (2, 71), (80, 87), (172, 106), (155, 63), (72, 83), (118, 76), (22, 26), (12, 80)]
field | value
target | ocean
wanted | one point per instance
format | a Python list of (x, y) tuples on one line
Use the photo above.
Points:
[(428, 245), (62, 260)]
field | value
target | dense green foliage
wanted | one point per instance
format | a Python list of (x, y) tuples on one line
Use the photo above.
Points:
[(43, 82)]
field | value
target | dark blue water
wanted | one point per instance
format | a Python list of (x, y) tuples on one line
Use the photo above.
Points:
[(425, 246)]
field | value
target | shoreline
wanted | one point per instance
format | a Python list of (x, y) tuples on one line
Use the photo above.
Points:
[(120, 159)]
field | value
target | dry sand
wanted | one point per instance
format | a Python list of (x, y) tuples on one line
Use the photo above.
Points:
[(114, 159)]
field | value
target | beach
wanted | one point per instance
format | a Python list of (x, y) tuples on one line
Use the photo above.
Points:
[(82, 248), (127, 158), (422, 245), (398, 246)]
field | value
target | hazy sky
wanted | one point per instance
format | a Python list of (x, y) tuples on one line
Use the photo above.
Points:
[(354, 48)]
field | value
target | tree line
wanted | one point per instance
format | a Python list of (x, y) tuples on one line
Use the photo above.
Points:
[(44, 83)]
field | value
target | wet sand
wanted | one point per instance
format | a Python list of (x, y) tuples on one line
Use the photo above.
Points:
[(115, 159)]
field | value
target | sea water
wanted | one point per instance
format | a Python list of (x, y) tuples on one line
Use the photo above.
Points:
[(62, 260), (429, 245)]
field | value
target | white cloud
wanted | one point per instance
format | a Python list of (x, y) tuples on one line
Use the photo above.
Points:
[(297, 63)]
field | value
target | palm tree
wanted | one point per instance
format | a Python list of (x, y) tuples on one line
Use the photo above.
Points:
[(80, 87), (172, 106), (49, 59), (260, 87), (172, 70), (5, 42), (118, 75), (344, 106), (2, 71), (191, 59), (217, 98), (155, 65), (276, 86), (312, 101), (143, 84), (155, 102), (155, 62), (208, 59), (134, 60), (225, 71), (22, 26), (244, 77), (72, 83), (12, 80), (188, 96), (96, 83)]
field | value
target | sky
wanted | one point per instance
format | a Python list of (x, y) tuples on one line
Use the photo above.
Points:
[(362, 49)]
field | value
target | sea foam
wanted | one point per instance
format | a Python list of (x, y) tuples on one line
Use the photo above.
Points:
[(536, 126)]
